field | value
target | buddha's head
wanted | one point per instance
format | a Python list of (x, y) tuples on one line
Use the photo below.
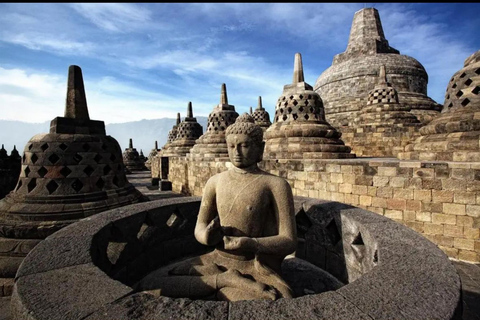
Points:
[(245, 142)]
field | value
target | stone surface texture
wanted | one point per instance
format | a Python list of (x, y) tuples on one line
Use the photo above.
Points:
[(172, 135), (388, 270), (154, 152), (71, 173), (299, 129), (454, 135), (344, 86)]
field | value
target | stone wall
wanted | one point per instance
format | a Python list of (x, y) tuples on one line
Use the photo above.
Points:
[(440, 200)]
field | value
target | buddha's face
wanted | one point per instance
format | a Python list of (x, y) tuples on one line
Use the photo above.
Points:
[(244, 151)]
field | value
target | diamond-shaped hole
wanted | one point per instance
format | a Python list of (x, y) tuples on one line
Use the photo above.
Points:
[(31, 185), (465, 102), (463, 75), (333, 233), (77, 158), (358, 240), (100, 183), (27, 171), (104, 146), (284, 117), (477, 71), (295, 102), (476, 90), (77, 185), (289, 110), (88, 170), (300, 96), (375, 257), (468, 82), (306, 117), (63, 146), (459, 93), (295, 116), (42, 172), (44, 146), (112, 157), (24, 157), (454, 85), (30, 146), (34, 158), (52, 186), (86, 146), (97, 158), (107, 169), (53, 158), (65, 171), (301, 109)]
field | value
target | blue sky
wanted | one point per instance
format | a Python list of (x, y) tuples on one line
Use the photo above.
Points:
[(146, 61)]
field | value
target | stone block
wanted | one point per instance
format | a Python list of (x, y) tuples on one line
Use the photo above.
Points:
[(442, 196), (430, 228), (423, 216), (403, 193), (464, 221), (453, 231), (439, 218), (466, 244), (422, 195), (473, 210), (454, 208)]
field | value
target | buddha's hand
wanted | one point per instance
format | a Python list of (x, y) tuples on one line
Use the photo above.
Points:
[(245, 244), (214, 232)]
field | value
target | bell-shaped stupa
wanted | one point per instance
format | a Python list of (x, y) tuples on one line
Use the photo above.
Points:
[(299, 129), (212, 143), (384, 126), (344, 86), (454, 134), (188, 131), (151, 155), (172, 135), (132, 159), (9, 170), (261, 116), (72, 172)]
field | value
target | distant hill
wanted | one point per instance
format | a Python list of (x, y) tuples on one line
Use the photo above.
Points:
[(143, 132)]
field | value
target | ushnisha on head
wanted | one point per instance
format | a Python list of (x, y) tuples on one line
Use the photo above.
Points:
[(245, 142)]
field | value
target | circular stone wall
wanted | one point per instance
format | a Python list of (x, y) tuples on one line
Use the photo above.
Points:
[(85, 270)]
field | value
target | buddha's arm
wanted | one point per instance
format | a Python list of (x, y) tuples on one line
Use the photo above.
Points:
[(285, 241), (208, 230)]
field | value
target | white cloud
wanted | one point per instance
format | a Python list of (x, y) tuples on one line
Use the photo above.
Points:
[(38, 41), (117, 17)]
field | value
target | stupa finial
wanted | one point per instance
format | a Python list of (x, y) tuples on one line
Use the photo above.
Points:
[(382, 75), (223, 95), (130, 144), (189, 110), (76, 102), (156, 145), (298, 69), (251, 110), (259, 107), (178, 118)]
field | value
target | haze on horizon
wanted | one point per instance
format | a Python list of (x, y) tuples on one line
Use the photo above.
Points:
[(147, 61)]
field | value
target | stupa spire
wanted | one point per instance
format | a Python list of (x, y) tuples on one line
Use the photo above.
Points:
[(223, 95), (130, 144), (298, 69), (189, 110), (251, 110), (156, 145), (178, 118), (76, 102), (259, 106), (382, 76)]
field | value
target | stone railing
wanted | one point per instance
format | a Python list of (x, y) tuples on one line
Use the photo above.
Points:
[(85, 271)]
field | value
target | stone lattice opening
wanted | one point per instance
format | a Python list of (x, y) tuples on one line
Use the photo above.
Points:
[(42, 172), (52, 186), (31, 185), (53, 158), (65, 171)]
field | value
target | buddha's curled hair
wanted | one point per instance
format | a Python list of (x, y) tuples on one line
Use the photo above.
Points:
[(246, 125)]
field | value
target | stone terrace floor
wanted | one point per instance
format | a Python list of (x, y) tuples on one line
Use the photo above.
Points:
[(469, 273)]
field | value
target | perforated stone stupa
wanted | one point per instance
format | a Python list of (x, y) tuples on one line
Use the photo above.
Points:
[(344, 86), (132, 159), (9, 170), (172, 135), (188, 131), (261, 116), (299, 129), (71, 173), (151, 155), (384, 126), (212, 143), (454, 135)]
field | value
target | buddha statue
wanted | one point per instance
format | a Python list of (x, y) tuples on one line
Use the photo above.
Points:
[(248, 216)]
